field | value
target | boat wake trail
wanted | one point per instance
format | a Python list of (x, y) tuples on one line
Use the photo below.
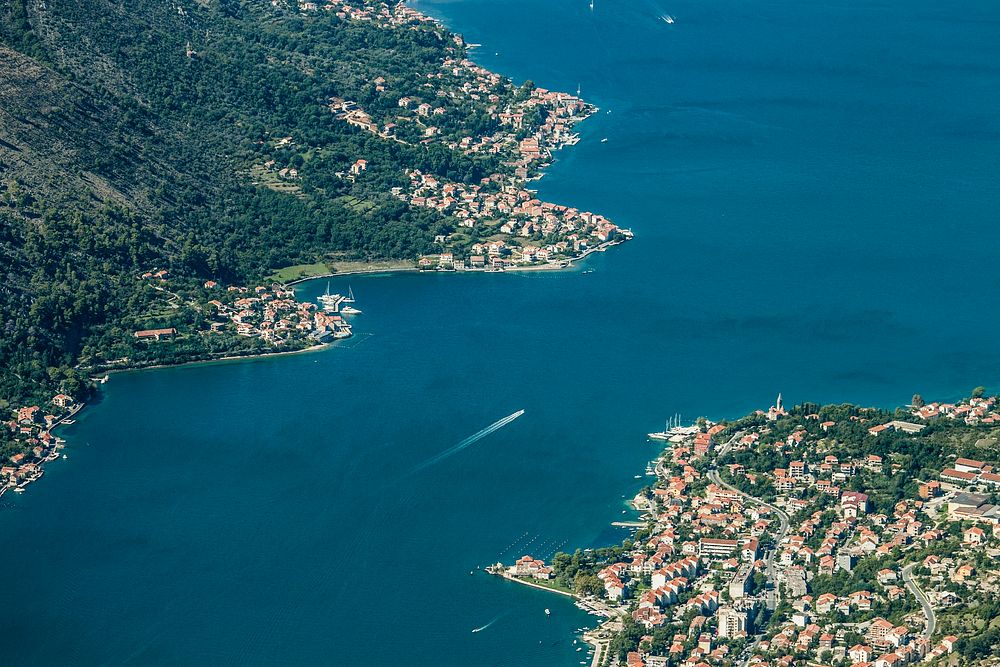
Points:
[(483, 627), (475, 437)]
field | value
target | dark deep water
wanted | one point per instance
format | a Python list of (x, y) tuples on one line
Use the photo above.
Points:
[(814, 190)]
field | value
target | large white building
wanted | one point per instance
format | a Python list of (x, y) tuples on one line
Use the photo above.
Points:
[(740, 582), (713, 547), (732, 623)]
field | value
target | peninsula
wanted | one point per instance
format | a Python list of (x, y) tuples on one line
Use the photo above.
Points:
[(157, 207), (816, 535)]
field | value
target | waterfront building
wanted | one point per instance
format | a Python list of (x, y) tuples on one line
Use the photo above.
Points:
[(776, 410)]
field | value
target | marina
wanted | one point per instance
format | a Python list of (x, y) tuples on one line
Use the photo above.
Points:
[(673, 431)]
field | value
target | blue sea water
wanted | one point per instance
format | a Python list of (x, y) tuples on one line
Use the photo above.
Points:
[(813, 189)]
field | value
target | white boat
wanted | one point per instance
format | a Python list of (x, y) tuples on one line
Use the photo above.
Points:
[(350, 310), (330, 301), (350, 295), (668, 18), (604, 141), (547, 612), (670, 429)]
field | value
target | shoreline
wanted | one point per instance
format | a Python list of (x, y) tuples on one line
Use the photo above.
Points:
[(351, 272), (233, 357), (560, 265), (62, 421), (57, 446), (547, 266), (598, 637)]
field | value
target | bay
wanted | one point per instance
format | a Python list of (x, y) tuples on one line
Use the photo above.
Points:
[(813, 190)]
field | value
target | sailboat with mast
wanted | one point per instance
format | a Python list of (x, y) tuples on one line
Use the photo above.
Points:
[(349, 299), (670, 428), (330, 301)]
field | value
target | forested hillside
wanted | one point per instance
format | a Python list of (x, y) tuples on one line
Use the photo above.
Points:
[(194, 136)]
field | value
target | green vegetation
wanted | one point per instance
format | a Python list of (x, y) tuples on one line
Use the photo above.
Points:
[(299, 271), (197, 137), (910, 458)]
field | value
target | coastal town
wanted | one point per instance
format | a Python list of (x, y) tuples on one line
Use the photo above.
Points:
[(493, 224), (31, 428), (233, 321), (496, 222), (498, 225), (835, 535)]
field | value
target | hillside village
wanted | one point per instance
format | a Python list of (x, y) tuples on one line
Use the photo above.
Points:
[(525, 127), (804, 536), (460, 118), (31, 428), (199, 322)]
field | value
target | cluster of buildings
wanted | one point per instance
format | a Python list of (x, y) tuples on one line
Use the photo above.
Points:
[(514, 216), (835, 527), (715, 562), (31, 427), (696, 571), (273, 315), (397, 15), (975, 410), (530, 126), (968, 472)]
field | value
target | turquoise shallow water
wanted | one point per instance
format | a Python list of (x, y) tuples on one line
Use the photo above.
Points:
[(813, 187)]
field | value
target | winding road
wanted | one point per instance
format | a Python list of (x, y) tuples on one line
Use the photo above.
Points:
[(774, 594), (911, 586)]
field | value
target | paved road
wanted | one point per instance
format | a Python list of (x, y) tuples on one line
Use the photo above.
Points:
[(911, 585), (774, 595)]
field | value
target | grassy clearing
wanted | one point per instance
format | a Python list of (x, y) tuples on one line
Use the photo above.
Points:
[(355, 204), (300, 271)]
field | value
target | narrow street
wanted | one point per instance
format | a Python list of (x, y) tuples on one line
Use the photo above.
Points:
[(911, 585)]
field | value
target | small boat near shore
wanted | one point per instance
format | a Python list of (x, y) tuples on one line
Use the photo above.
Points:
[(330, 302), (349, 310)]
